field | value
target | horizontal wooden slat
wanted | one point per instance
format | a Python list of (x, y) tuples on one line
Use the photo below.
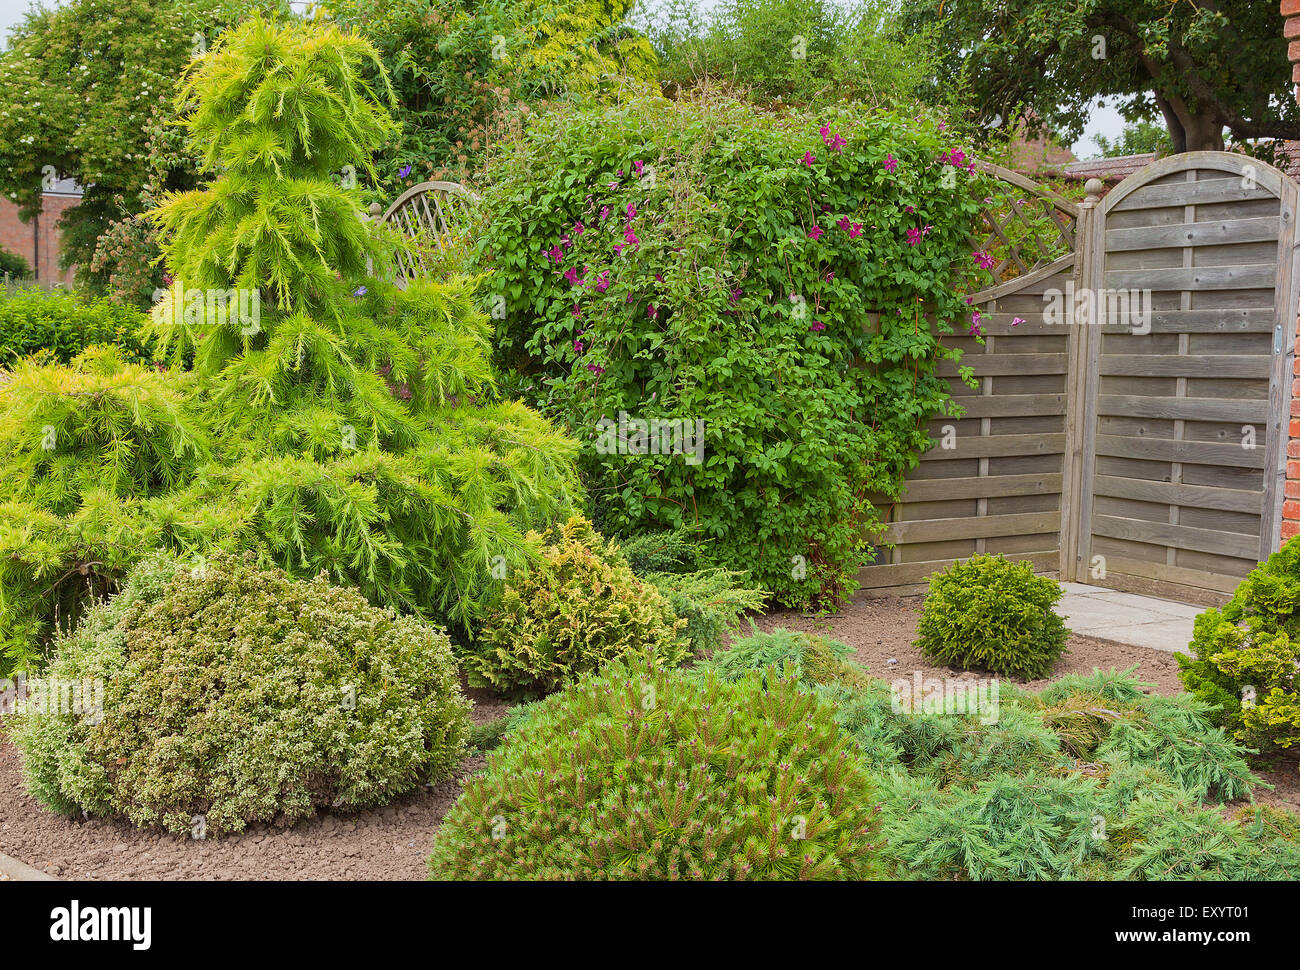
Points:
[(1011, 405), (1260, 276), (1186, 408), (1185, 365), (1171, 493), (1117, 566), (1193, 234), (1192, 452), (973, 527), (989, 486), (1178, 536), (998, 446), (908, 573), (1192, 193), (1250, 320), (1001, 365), (1033, 323)]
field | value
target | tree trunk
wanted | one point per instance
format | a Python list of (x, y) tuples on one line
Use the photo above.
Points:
[(1189, 131)]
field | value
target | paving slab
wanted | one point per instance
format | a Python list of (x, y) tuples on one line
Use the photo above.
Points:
[(1142, 621)]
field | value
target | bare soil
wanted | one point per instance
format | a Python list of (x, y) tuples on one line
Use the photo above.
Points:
[(393, 842)]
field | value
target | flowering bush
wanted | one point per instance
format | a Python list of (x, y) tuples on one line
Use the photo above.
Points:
[(780, 285)]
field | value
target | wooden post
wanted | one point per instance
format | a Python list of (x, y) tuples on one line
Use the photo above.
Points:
[(1077, 427)]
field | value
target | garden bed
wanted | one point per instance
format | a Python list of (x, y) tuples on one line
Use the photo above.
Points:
[(393, 842)]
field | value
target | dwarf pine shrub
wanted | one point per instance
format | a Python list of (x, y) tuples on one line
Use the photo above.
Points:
[(234, 694), (578, 607), (1245, 659), (989, 613), (647, 773)]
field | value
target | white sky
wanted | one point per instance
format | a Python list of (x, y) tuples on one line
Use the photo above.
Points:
[(1104, 120)]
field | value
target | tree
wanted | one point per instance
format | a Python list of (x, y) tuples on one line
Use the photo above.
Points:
[(1137, 138), (78, 85), (1202, 65)]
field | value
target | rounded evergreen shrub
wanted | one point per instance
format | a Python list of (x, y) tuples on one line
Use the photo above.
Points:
[(647, 773), (578, 607), (1247, 655), (236, 694), (989, 613)]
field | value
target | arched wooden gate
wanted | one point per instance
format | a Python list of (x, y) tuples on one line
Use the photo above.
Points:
[(1131, 419)]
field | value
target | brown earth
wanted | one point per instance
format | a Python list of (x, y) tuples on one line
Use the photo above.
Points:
[(392, 842)]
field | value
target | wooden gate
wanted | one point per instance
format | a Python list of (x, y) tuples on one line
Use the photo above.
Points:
[(1186, 402), (1130, 424)]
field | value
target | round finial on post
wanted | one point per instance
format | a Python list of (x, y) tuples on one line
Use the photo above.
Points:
[(1094, 188), (376, 210)]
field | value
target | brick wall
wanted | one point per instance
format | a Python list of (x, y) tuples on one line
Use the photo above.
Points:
[(1291, 503), (37, 241)]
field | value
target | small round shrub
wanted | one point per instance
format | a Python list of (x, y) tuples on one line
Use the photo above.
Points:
[(647, 773), (1246, 661), (815, 659), (238, 694), (989, 613), (13, 266), (575, 609)]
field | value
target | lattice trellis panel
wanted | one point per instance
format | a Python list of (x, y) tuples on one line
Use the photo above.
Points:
[(1023, 226), (428, 215)]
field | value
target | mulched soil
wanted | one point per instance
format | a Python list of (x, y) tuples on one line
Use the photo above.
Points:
[(393, 842)]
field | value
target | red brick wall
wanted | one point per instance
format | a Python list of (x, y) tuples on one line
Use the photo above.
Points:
[(36, 241), (1291, 504)]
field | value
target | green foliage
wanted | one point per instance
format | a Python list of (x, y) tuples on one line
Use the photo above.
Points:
[(240, 695), (672, 551), (1137, 138), (352, 428), (1014, 790), (989, 613), (1153, 58), (710, 600), (13, 266), (576, 609), (79, 81), (460, 69), (647, 773), (1246, 657), (796, 51), (811, 658), (278, 108), (34, 320), (679, 260)]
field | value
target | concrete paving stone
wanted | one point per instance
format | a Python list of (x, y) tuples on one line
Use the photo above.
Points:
[(1166, 635)]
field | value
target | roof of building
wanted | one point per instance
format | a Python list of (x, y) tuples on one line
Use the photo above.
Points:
[(1120, 167)]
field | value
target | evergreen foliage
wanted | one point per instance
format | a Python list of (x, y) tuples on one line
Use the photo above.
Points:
[(576, 609), (239, 695), (989, 613), (646, 773), (345, 426), (1028, 795), (1246, 657)]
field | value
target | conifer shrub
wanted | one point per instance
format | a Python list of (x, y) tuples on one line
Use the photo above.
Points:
[(33, 320), (1245, 658), (350, 426), (989, 613), (241, 695), (577, 608), (645, 773), (812, 658)]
